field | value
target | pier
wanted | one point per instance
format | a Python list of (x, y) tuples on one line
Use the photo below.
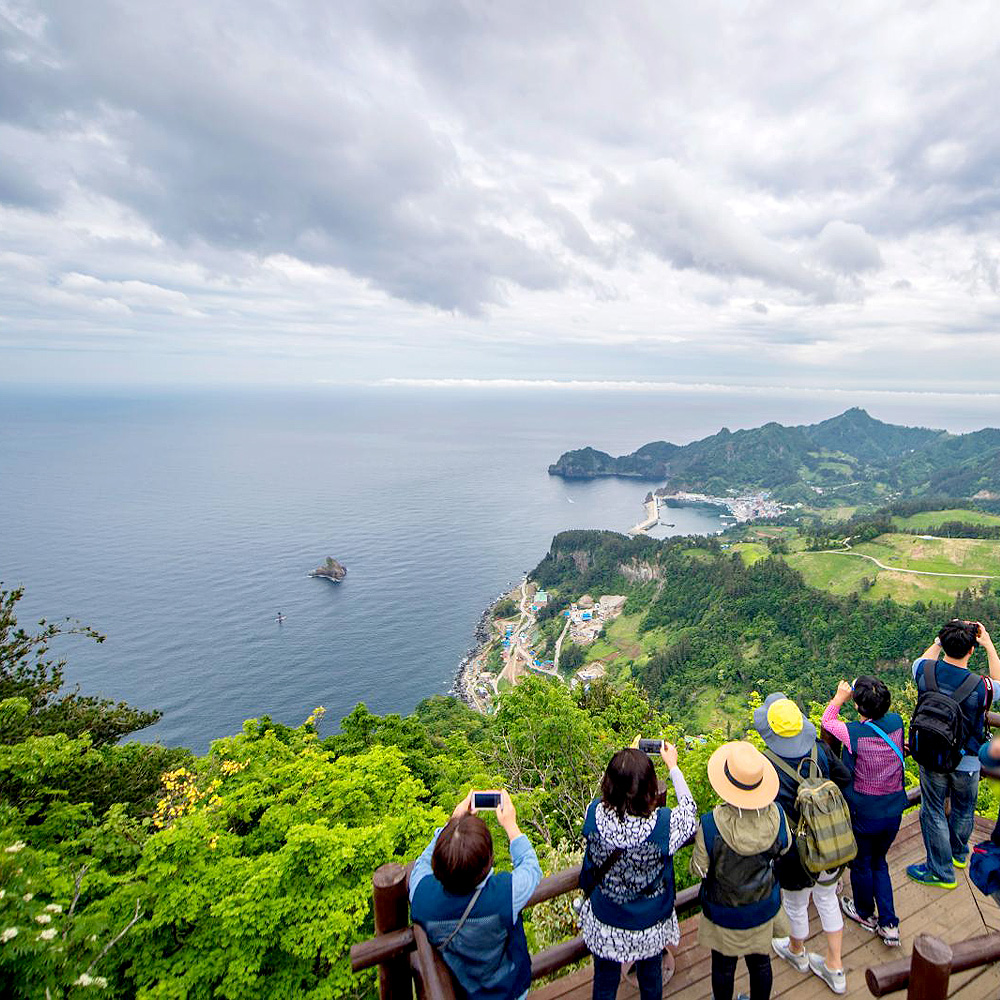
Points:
[(652, 518)]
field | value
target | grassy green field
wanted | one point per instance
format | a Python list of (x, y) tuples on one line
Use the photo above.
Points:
[(750, 552), (932, 518), (842, 574), (936, 555)]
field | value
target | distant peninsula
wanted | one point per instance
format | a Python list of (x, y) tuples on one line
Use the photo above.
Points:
[(852, 456), (330, 570)]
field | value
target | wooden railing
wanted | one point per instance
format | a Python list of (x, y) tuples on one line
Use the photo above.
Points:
[(926, 974), (404, 955)]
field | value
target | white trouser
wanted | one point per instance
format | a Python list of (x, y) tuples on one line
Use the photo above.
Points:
[(796, 904)]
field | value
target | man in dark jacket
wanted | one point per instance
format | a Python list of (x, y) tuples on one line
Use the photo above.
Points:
[(789, 735), (946, 836)]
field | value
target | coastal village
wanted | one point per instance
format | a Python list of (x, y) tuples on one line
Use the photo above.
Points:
[(740, 509), (508, 644), (515, 639)]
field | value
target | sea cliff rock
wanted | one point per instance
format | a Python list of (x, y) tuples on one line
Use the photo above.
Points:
[(330, 570)]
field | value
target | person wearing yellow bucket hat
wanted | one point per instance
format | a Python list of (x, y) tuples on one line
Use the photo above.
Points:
[(791, 738), (735, 849)]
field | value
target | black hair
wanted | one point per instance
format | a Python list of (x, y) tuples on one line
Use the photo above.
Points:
[(871, 697), (629, 784), (463, 854), (958, 638)]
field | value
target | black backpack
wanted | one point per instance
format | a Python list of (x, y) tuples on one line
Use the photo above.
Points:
[(939, 729)]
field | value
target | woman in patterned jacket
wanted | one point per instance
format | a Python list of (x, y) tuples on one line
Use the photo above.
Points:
[(628, 871)]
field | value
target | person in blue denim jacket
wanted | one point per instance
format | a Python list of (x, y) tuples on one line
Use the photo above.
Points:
[(471, 913), (946, 836)]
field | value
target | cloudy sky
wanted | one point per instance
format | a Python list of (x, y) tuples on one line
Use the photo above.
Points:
[(304, 190)]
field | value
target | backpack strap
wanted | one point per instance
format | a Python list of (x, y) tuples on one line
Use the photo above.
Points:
[(779, 763), (783, 841), (814, 763), (967, 687), (882, 733), (463, 918), (930, 675), (710, 830)]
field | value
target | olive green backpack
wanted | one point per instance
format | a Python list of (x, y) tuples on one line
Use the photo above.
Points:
[(824, 835)]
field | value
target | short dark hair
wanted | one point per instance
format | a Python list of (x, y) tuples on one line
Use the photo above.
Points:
[(958, 638), (463, 854), (629, 784), (871, 697)]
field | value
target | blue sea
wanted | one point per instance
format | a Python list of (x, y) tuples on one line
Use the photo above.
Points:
[(179, 523)]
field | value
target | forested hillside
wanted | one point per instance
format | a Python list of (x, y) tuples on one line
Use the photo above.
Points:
[(150, 872), (862, 457), (711, 625)]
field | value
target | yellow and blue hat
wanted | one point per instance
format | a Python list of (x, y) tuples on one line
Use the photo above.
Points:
[(783, 727)]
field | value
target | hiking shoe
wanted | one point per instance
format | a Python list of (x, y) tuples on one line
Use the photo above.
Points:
[(782, 949), (961, 862), (836, 980), (889, 936), (850, 910), (923, 875)]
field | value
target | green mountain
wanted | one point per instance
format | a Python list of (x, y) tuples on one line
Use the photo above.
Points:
[(852, 451)]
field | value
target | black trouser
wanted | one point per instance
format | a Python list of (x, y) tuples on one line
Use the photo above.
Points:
[(724, 975)]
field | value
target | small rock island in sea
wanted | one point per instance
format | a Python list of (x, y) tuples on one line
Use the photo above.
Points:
[(331, 570)]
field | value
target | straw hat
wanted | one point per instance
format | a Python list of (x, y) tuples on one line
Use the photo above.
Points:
[(783, 727), (743, 776)]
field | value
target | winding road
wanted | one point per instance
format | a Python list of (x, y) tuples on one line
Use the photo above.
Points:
[(899, 569)]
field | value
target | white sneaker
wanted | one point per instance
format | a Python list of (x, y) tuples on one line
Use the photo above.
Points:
[(836, 980), (783, 950)]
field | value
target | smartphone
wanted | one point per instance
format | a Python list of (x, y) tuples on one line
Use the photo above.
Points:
[(650, 746), (485, 800)]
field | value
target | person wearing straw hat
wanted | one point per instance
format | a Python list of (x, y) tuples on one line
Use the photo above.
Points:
[(736, 847), (791, 737)]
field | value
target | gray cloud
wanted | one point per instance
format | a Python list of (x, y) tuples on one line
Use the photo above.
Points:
[(669, 215), (846, 248), (473, 181)]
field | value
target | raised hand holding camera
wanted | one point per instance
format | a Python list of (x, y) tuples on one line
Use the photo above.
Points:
[(507, 816), (485, 800)]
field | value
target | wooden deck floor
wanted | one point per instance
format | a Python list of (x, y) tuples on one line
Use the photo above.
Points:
[(951, 915)]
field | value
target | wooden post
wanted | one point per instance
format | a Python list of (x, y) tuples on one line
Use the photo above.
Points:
[(930, 969), (395, 981)]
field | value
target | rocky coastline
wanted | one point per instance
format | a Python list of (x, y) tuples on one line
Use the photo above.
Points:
[(482, 636)]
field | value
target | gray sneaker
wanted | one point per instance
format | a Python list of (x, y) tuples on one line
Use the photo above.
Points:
[(783, 950), (836, 980)]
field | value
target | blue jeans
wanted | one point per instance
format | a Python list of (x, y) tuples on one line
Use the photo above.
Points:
[(870, 880), (649, 972), (947, 837)]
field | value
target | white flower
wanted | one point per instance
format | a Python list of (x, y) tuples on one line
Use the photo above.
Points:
[(28, 897), (48, 934), (54, 908), (8, 935), (85, 980), (44, 918), (3, 892), (15, 847)]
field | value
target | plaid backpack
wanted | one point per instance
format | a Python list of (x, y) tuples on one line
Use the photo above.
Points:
[(824, 835)]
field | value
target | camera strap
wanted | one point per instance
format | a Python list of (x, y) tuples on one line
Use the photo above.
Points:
[(603, 870), (462, 918)]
